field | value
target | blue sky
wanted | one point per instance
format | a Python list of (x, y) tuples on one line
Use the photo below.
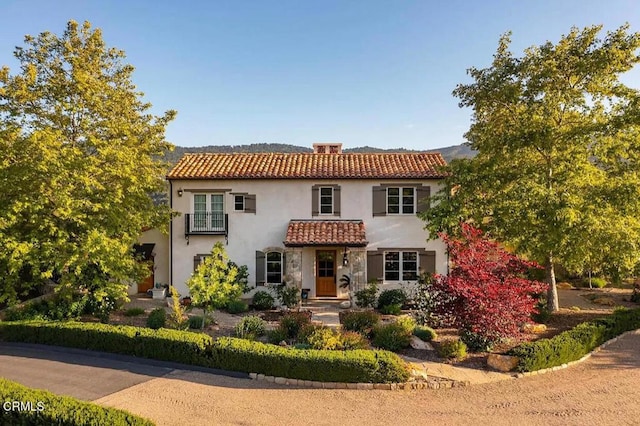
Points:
[(369, 72)]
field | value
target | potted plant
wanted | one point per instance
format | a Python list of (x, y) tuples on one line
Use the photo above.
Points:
[(159, 291)]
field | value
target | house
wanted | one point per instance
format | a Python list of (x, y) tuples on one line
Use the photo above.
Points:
[(306, 219)]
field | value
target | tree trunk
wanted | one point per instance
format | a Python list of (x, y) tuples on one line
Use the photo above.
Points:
[(552, 292)]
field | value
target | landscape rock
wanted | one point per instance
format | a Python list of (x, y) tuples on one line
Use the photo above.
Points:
[(534, 328), (502, 362), (417, 343), (345, 305)]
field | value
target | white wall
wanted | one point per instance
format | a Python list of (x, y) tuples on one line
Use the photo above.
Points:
[(277, 202)]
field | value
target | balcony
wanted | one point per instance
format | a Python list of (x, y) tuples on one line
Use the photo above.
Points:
[(206, 224)]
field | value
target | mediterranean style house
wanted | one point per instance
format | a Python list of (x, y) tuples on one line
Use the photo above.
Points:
[(304, 219)]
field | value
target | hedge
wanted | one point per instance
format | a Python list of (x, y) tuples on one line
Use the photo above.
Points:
[(40, 407), (354, 366), (573, 344), (224, 353)]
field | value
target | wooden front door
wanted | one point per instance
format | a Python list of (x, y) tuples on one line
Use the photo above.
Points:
[(326, 273), (148, 282)]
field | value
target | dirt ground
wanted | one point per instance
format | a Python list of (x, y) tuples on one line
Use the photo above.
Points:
[(601, 391)]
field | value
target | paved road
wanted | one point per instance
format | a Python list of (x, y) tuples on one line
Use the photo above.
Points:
[(605, 390)]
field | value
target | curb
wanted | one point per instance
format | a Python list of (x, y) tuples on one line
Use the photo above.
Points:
[(431, 383), (578, 361)]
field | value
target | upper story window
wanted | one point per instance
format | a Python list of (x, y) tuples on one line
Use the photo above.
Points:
[(401, 200), (401, 265), (238, 203), (326, 200), (208, 212)]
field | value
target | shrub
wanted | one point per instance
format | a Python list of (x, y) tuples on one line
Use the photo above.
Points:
[(392, 336), (424, 333), (360, 321), (263, 301), (573, 344), (324, 338), (352, 340), (288, 296), (276, 336), (196, 322), (59, 410), (452, 349), (292, 323), (237, 307), (250, 327), (133, 312), (366, 298), (391, 310), (157, 318), (225, 353), (407, 323), (392, 297), (177, 318), (357, 366), (596, 282), (487, 291), (476, 342)]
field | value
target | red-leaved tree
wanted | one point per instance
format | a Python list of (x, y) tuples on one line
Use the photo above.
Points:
[(486, 292)]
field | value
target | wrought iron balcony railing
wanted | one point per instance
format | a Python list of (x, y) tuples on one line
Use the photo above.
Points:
[(206, 224)]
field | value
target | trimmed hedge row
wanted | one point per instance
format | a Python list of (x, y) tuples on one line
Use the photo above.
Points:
[(573, 344), (40, 407), (225, 353)]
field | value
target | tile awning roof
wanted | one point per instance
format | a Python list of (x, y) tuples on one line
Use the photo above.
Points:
[(325, 233), (309, 166)]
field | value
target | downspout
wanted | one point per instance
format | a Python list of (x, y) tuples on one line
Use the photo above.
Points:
[(171, 233)]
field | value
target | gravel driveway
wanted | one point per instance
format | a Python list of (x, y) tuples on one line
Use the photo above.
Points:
[(604, 390)]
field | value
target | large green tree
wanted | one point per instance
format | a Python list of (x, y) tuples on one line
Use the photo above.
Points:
[(557, 174), (78, 165)]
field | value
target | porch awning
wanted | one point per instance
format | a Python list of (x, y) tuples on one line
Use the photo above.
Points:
[(348, 233)]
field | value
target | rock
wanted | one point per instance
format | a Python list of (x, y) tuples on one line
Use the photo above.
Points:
[(283, 343), (417, 343), (345, 305), (502, 362), (534, 328)]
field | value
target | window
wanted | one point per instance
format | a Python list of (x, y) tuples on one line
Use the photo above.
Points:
[(274, 267), (238, 203), (208, 212), (401, 200), (326, 200), (399, 264)]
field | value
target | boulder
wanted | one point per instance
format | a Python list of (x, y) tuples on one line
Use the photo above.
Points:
[(419, 344), (345, 305), (534, 328), (502, 362)]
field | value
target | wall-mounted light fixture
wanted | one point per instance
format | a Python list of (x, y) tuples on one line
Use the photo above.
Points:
[(180, 192), (345, 257)]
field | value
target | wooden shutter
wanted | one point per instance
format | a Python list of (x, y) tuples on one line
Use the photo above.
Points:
[(261, 277), (375, 265), (284, 264), (250, 203), (422, 195), (379, 201), (336, 200), (428, 261), (315, 200)]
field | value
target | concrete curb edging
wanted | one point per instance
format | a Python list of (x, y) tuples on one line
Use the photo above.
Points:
[(578, 361), (434, 383)]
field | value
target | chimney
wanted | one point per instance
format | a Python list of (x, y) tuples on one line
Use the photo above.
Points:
[(327, 148)]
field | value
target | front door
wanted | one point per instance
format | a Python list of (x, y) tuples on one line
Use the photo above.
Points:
[(326, 273), (148, 282)]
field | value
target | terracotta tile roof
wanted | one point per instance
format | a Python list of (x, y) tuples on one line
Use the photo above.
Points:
[(326, 233), (308, 166)]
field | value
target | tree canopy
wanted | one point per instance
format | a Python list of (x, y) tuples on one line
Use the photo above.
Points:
[(557, 174), (79, 164)]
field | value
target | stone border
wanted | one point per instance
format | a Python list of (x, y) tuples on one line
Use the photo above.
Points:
[(433, 383), (578, 361)]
